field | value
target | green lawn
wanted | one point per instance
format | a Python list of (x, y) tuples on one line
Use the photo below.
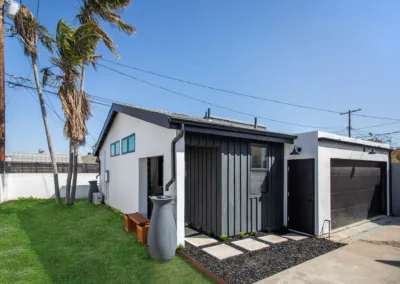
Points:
[(41, 242)]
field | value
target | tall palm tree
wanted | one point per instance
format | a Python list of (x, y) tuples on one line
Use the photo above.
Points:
[(29, 32), (73, 48), (95, 11)]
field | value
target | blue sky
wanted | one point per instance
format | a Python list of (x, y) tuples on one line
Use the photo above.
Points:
[(329, 54)]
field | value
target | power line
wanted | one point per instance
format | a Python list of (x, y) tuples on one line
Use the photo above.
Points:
[(241, 94), (50, 92), (219, 89), (50, 107), (209, 103), (373, 126)]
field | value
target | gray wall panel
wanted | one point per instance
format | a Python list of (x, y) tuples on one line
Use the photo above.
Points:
[(221, 182)]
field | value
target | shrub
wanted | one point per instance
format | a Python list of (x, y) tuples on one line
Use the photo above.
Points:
[(254, 232), (210, 233), (198, 228), (180, 247), (267, 230), (241, 234), (223, 237)]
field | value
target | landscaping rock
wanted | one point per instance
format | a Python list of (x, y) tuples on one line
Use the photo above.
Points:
[(253, 266)]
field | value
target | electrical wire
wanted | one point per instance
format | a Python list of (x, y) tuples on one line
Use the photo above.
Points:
[(209, 103), (219, 89), (373, 126)]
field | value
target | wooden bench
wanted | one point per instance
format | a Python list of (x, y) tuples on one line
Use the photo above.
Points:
[(137, 223)]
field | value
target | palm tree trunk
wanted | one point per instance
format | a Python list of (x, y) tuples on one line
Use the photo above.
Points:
[(69, 176), (47, 129), (75, 166), (75, 175)]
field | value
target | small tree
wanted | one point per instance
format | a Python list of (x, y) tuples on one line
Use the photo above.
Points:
[(29, 32)]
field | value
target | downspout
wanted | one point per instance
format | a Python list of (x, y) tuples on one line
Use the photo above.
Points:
[(173, 157)]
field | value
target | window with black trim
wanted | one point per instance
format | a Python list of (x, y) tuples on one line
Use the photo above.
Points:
[(259, 157), (259, 170), (115, 149), (128, 144)]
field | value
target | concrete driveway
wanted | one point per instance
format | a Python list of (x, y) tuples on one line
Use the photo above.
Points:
[(373, 256)]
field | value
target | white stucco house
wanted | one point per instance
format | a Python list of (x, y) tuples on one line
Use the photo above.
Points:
[(230, 176)]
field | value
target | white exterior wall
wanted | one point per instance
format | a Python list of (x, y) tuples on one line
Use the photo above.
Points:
[(127, 187), (38, 185), (323, 152)]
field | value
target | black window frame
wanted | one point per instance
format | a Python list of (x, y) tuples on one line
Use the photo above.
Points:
[(267, 160), (266, 170), (113, 144), (127, 145)]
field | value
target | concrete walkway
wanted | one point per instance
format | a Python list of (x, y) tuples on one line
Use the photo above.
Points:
[(373, 256)]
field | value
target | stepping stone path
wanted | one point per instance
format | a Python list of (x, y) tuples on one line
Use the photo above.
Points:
[(189, 232), (295, 237), (273, 239), (250, 244), (222, 251), (200, 240)]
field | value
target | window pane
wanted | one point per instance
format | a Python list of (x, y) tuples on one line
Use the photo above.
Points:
[(131, 143), (124, 145), (117, 148), (112, 150), (259, 157)]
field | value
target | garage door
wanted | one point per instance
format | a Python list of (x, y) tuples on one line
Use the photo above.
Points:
[(356, 191)]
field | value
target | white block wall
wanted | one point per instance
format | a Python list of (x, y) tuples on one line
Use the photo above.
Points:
[(127, 187), (39, 185)]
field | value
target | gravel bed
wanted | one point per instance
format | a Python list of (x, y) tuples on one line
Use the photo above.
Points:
[(254, 266)]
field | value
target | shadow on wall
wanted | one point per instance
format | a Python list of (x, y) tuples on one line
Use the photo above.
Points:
[(81, 192)]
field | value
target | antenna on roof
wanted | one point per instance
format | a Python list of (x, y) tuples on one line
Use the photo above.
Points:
[(208, 113), (255, 122)]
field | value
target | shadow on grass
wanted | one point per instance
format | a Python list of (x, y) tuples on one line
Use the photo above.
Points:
[(86, 243)]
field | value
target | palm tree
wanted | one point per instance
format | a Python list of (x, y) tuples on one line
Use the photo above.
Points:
[(74, 47), (29, 32), (95, 11)]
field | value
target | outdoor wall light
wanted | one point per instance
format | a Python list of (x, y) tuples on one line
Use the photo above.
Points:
[(296, 150), (372, 152)]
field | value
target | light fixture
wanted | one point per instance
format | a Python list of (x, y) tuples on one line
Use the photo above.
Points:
[(296, 150), (372, 152), (12, 8)]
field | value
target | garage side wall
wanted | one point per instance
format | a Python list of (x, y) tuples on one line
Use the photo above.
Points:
[(333, 150)]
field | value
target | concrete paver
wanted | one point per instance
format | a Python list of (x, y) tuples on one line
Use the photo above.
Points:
[(189, 232), (295, 237), (222, 251), (273, 239), (200, 240), (250, 244)]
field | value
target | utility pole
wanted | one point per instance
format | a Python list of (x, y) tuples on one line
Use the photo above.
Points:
[(2, 88), (349, 114)]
